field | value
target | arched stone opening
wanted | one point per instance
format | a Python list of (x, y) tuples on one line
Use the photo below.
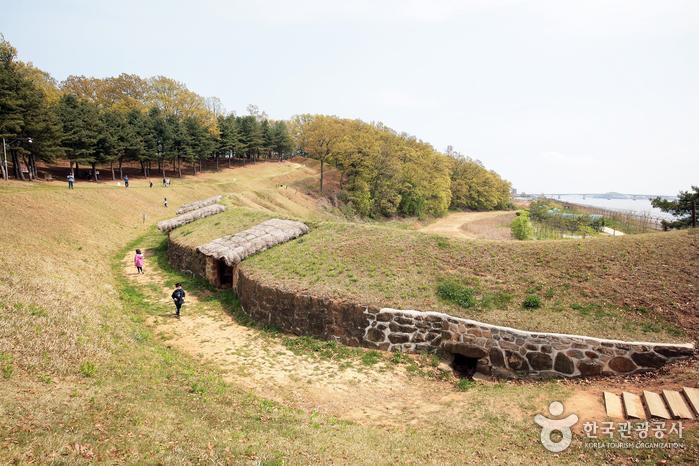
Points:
[(463, 366), (464, 358)]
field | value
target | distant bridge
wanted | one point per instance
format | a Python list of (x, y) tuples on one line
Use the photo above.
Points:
[(605, 196)]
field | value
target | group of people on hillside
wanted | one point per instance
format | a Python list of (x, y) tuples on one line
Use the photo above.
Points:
[(166, 184), (71, 181), (177, 296)]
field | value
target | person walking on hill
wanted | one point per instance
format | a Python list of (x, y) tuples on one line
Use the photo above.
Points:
[(151, 183), (164, 182), (178, 297), (138, 261), (126, 181), (71, 181)]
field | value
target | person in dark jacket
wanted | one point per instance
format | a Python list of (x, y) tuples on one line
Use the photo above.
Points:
[(178, 297)]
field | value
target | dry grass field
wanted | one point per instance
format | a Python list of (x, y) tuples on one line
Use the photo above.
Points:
[(92, 370)]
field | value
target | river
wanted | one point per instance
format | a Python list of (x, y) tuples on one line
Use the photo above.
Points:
[(641, 206)]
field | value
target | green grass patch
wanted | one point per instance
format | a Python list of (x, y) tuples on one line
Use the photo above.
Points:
[(400, 358), (369, 358), (495, 300), (464, 384), (31, 309), (591, 310), (456, 292), (442, 243), (321, 349), (6, 365), (88, 369), (531, 301)]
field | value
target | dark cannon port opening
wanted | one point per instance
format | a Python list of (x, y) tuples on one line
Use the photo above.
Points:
[(463, 366), (225, 274)]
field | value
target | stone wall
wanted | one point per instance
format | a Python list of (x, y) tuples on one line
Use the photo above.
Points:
[(499, 351), (185, 258), (508, 352), (302, 314)]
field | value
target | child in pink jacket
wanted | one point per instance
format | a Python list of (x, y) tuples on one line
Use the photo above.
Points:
[(138, 261)]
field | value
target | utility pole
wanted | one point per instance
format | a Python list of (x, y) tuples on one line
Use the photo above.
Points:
[(5, 170), (5, 175)]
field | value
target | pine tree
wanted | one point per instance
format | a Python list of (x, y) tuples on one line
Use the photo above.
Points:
[(267, 143), (28, 124), (80, 122), (110, 144), (250, 136), (281, 141), (681, 208), (229, 141)]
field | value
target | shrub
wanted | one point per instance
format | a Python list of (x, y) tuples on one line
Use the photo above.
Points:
[(521, 226), (532, 301), (456, 292)]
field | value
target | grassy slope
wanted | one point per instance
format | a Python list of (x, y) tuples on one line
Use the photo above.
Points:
[(605, 287), (85, 379), (64, 309)]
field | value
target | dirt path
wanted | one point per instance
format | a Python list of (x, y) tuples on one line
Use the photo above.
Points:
[(382, 394), (474, 225)]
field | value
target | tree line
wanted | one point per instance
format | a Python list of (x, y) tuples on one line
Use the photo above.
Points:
[(156, 122), (385, 173), (160, 124)]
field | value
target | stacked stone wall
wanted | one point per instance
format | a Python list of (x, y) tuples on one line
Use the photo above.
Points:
[(508, 352), (186, 259)]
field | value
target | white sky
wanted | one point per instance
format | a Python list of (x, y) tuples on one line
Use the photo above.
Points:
[(557, 96)]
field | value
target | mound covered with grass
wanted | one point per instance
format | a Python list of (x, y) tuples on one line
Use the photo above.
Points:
[(640, 287)]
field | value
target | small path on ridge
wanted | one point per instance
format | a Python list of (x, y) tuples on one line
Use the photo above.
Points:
[(474, 225)]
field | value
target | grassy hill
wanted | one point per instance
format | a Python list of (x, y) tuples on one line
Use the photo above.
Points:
[(640, 287), (636, 287), (86, 377)]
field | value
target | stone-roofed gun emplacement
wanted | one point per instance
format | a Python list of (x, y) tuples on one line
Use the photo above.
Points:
[(224, 254), (198, 204), (469, 346), (188, 217)]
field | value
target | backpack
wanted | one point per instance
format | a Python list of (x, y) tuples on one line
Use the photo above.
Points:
[(178, 295)]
